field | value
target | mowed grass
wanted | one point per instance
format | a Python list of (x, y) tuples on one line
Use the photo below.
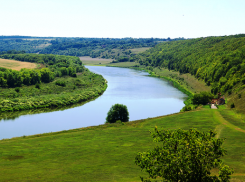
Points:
[(123, 64), (86, 60), (139, 50), (16, 65), (107, 152)]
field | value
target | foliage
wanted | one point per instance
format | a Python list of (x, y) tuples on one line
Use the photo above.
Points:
[(57, 66), (184, 156), (117, 112), (46, 95), (202, 98), (12, 44), (60, 83), (112, 48), (219, 61)]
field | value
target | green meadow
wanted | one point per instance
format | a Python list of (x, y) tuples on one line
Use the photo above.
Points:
[(107, 152)]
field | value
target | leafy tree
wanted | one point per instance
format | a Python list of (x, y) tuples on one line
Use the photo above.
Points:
[(184, 156), (202, 98), (117, 112)]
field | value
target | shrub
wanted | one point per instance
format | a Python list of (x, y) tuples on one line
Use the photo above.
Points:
[(202, 98), (17, 89), (117, 112), (239, 96), (229, 92), (37, 86), (186, 108), (60, 83)]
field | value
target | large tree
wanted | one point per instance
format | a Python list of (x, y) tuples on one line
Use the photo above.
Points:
[(117, 112), (184, 156)]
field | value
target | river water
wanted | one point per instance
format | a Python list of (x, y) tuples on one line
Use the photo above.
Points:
[(144, 96)]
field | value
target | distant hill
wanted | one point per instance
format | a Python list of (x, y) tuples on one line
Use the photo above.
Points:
[(219, 61), (109, 48)]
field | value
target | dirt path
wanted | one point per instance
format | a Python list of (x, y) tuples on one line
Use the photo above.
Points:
[(213, 106), (224, 122)]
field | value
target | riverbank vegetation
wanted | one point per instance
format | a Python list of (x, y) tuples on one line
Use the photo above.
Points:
[(62, 81), (217, 61), (107, 152)]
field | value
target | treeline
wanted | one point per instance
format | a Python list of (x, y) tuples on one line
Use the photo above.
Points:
[(99, 47), (219, 61), (21, 44), (57, 66), (113, 48)]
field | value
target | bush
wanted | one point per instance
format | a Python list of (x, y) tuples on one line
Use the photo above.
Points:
[(17, 89), (60, 83), (202, 98), (37, 86), (229, 92), (186, 108), (117, 112)]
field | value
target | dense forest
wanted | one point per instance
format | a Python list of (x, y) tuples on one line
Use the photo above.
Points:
[(113, 48), (219, 61)]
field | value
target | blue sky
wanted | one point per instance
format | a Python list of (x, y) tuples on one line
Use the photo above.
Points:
[(122, 18)]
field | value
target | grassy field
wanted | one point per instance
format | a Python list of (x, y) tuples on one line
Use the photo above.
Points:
[(16, 65), (86, 60), (107, 152), (139, 50)]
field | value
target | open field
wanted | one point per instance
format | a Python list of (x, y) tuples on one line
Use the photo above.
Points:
[(16, 65), (139, 50), (123, 64), (86, 60), (107, 152)]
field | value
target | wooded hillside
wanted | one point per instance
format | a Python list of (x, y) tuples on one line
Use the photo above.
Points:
[(219, 61)]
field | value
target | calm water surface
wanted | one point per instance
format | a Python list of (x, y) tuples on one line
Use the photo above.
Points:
[(144, 96)]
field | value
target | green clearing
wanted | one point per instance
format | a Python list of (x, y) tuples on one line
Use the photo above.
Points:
[(107, 152), (86, 60), (139, 50)]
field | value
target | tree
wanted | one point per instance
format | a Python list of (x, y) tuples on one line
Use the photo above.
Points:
[(184, 156), (117, 112), (202, 98)]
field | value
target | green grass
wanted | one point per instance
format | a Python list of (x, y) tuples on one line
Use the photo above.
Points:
[(139, 50), (123, 64), (86, 60), (107, 152)]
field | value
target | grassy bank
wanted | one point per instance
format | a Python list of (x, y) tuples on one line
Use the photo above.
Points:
[(107, 152)]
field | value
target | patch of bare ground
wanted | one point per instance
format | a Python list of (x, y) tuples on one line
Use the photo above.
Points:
[(16, 65)]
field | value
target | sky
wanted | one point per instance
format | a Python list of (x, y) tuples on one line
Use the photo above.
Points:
[(122, 18)]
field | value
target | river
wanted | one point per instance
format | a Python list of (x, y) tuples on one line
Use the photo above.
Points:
[(144, 96)]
